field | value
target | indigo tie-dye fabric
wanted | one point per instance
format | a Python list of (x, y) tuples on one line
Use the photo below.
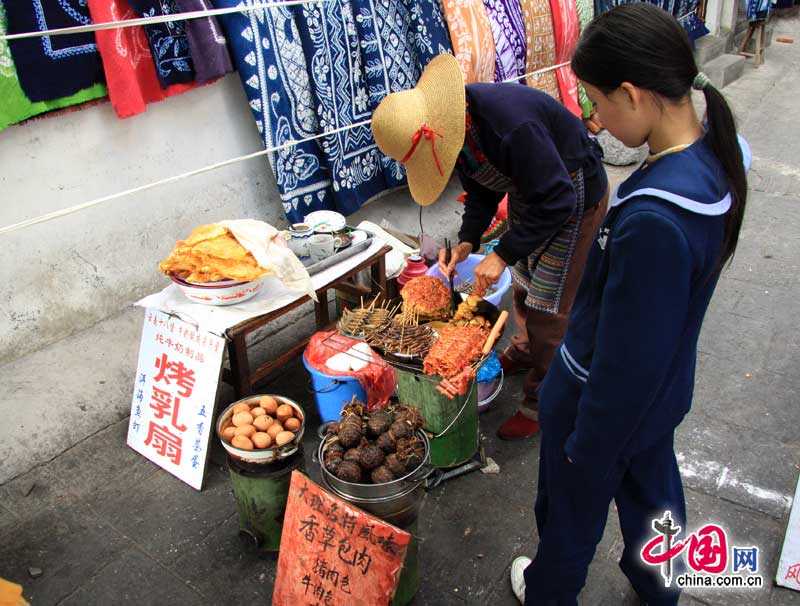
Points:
[(168, 42), (314, 68), (51, 67), (685, 11)]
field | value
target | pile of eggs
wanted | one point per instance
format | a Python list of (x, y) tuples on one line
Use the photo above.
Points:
[(267, 424)]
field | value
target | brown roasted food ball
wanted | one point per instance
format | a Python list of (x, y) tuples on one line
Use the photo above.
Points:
[(395, 465), (371, 457), (378, 422), (353, 454), (400, 429), (411, 416), (350, 431), (386, 442), (411, 451), (332, 428), (381, 475), (348, 471)]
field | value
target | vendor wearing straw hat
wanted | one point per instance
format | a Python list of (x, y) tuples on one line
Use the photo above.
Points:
[(506, 139)]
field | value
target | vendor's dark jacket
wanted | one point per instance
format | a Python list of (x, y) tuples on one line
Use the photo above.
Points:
[(537, 143), (624, 375)]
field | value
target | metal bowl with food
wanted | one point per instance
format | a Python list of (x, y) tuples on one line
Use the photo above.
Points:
[(278, 446)]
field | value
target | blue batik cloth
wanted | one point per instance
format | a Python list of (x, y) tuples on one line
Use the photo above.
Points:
[(758, 10), (685, 11), (50, 67), (314, 68), (169, 44)]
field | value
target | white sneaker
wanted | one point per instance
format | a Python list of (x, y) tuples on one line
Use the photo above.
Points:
[(518, 567)]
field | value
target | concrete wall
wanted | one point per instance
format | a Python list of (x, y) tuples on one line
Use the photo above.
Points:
[(66, 275)]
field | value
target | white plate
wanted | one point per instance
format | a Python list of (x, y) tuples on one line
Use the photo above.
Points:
[(358, 236), (325, 221)]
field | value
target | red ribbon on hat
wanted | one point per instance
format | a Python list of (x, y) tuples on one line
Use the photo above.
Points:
[(428, 133)]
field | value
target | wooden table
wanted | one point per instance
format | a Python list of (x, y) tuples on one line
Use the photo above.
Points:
[(242, 377)]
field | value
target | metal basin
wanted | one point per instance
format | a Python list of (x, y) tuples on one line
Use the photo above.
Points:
[(265, 455), (396, 487)]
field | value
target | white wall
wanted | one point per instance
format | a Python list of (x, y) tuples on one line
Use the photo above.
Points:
[(65, 275)]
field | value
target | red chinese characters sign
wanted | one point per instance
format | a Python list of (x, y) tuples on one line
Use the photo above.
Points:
[(174, 395), (333, 554)]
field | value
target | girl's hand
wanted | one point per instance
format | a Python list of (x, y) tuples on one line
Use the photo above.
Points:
[(459, 253), (488, 271)]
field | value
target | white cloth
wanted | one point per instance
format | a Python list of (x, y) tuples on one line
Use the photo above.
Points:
[(396, 259), (273, 295), (269, 248)]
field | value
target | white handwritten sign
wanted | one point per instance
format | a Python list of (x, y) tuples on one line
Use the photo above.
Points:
[(788, 574), (174, 393)]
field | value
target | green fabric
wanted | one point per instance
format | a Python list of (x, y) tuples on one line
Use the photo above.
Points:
[(585, 15), (14, 105)]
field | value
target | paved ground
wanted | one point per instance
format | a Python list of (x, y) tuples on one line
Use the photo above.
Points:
[(107, 527)]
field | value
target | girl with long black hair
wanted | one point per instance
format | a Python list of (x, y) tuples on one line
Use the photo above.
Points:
[(623, 377)]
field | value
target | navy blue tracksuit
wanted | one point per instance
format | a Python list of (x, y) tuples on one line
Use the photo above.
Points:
[(623, 378)]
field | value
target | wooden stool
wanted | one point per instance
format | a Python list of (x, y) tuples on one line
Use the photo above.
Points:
[(759, 30), (242, 378)]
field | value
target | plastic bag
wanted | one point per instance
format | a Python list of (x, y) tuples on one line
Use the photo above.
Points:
[(376, 377)]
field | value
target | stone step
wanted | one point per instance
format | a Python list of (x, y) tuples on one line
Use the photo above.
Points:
[(708, 48), (724, 69)]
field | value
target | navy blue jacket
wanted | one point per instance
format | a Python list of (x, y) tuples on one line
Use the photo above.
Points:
[(624, 374), (536, 142)]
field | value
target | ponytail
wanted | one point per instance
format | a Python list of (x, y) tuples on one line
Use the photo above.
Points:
[(725, 144), (644, 45)]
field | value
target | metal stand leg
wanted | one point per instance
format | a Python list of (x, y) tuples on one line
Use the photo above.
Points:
[(478, 461)]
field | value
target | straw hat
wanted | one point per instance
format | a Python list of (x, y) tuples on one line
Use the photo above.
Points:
[(423, 128)]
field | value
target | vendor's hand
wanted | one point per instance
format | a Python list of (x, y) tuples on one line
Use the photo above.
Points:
[(488, 271), (459, 253)]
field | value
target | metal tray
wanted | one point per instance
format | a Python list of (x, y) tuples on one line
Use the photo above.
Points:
[(342, 255)]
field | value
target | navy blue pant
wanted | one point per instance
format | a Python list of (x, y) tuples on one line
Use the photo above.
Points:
[(571, 510)]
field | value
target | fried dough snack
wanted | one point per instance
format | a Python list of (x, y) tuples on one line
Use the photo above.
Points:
[(211, 253), (426, 296)]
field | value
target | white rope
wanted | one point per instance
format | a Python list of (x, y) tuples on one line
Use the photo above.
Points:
[(537, 72), (95, 27), (78, 207)]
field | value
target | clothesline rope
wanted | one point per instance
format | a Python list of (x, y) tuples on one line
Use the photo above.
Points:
[(96, 27), (192, 173)]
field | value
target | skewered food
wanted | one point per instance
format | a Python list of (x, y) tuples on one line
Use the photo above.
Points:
[(426, 296), (402, 339), (466, 314)]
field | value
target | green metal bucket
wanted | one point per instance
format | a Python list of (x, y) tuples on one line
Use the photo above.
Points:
[(453, 423), (409, 582), (261, 492)]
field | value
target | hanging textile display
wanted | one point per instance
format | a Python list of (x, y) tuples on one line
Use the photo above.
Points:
[(398, 39), (130, 71), (541, 45), (509, 38), (585, 16), (685, 11), (14, 105), (567, 31), (758, 10), (471, 36), (267, 52), (169, 44), (207, 45), (50, 67), (323, 68)]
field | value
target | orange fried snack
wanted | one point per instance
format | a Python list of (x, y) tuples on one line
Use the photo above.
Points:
[(211, 253), (426, 296)]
